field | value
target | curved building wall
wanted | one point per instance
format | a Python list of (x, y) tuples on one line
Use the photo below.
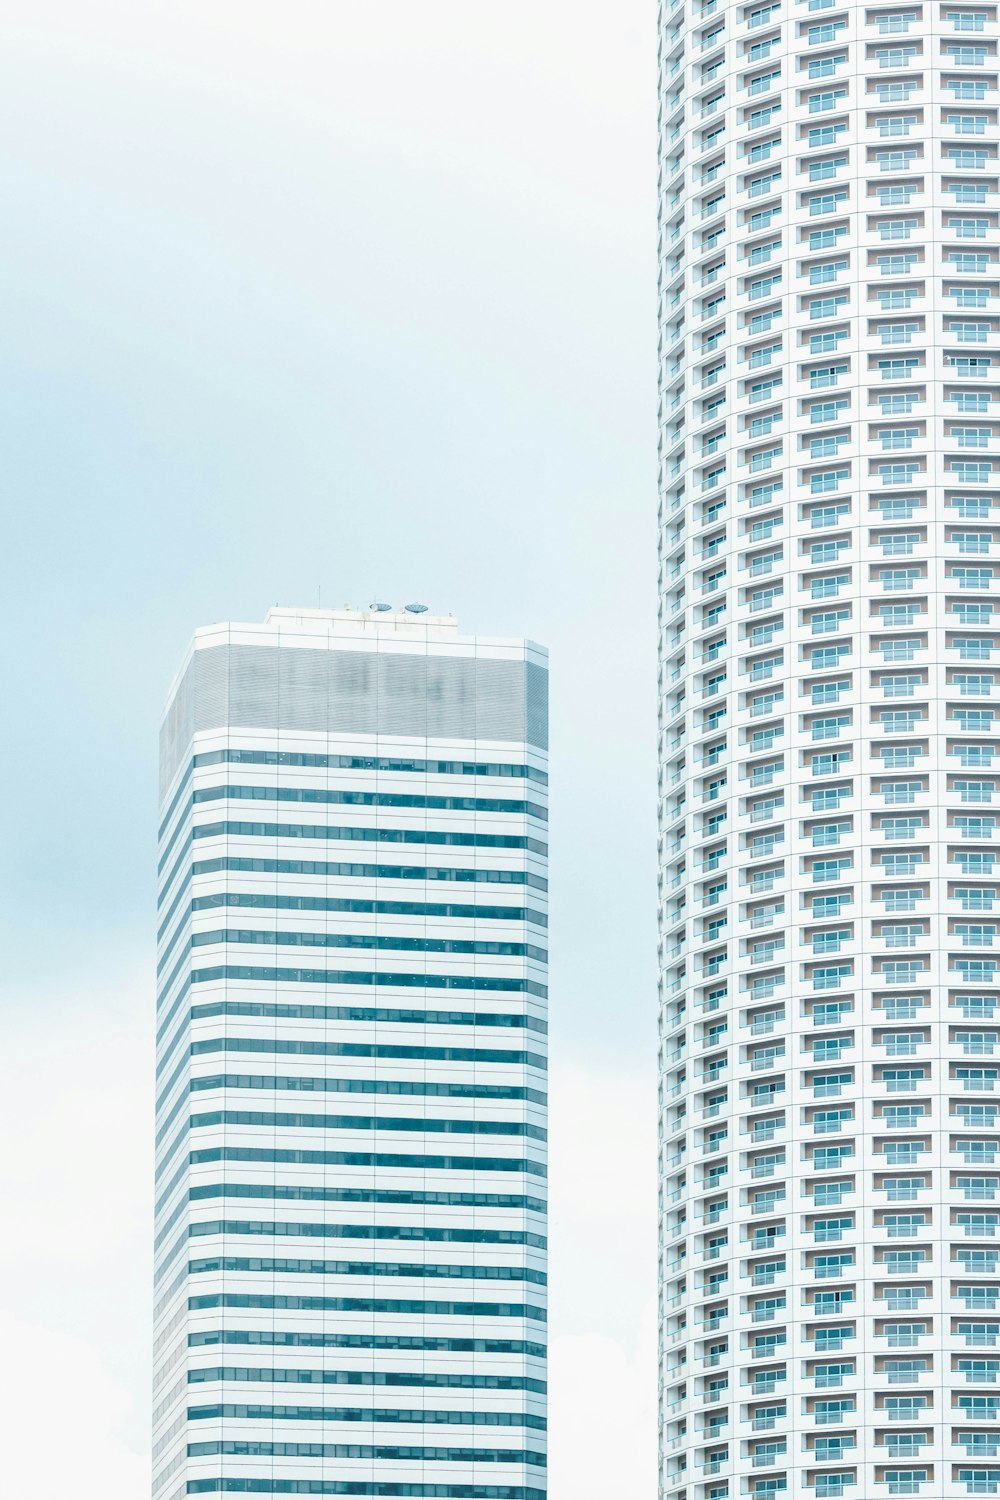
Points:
[(830, 751)]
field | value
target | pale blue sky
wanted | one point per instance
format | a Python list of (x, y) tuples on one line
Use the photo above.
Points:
[(357, 297)]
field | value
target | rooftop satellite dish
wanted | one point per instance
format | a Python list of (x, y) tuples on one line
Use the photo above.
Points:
[(381, 608), (415, 609)]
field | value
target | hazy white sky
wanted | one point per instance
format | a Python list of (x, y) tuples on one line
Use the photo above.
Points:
[(346, 297)]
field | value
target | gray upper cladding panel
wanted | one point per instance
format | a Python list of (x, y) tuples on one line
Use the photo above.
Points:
[(354, 692)]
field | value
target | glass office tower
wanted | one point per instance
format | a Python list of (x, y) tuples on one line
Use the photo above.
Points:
[(351, 1101), (830, 749)]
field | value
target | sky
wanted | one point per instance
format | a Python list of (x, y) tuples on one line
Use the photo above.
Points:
[(315, 302)]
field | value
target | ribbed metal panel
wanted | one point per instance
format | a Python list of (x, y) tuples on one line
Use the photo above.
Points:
[(355, 692), (537, 711), (303, 688), (254, 689), (352, 676), (402, 695)]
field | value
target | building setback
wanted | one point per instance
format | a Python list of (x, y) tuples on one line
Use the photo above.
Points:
[(351, 1088), (830, 749)]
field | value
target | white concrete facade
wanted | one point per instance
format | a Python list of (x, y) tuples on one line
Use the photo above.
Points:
[(350, 1276), (830, 749)]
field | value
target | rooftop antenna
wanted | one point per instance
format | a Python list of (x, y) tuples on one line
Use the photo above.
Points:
[(415, 609), (380, 608)]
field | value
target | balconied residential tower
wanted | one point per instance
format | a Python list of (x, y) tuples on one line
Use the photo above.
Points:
[(830, 749)]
